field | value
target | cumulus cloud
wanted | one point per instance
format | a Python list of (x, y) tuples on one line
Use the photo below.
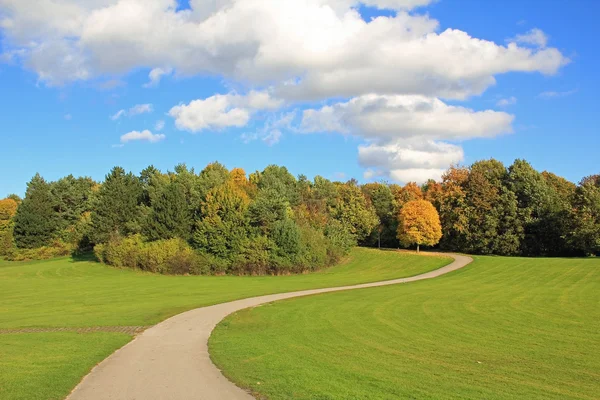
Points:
[(391, 117), (133, 111), (319, 48), (534, 37), (406, 136), (144, 135), (509, 101), (221, 111), (409, 160)]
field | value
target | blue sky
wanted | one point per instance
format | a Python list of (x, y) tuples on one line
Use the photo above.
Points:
[(56, 114)]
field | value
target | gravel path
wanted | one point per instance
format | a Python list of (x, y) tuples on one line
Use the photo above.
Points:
[(170, 361)]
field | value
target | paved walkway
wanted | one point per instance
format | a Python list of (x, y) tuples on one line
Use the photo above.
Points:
[(170, 361)]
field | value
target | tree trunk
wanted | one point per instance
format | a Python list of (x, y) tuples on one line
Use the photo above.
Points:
[(418, 247)]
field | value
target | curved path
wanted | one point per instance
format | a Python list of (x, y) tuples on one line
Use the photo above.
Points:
[(171, 360)]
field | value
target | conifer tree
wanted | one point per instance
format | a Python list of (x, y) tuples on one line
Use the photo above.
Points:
[(36, 221)]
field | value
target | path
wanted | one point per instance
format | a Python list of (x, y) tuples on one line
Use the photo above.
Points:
[(170, 361)]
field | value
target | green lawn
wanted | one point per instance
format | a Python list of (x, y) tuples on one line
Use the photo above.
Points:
[(68, 293), (48, 365), (501, 328)]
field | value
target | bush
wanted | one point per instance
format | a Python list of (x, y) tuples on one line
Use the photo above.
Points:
[(254, 257), (171, 256), (340, 241), (56, 248)]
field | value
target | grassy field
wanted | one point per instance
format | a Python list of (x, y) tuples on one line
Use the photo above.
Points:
[(49, 365), (69, 293), (501, 328)]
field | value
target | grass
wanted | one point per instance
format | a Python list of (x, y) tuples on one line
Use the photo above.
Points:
[(69, 293), (49, 365), (501, 328)]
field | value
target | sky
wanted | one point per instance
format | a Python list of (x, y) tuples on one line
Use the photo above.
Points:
[(394, 90)]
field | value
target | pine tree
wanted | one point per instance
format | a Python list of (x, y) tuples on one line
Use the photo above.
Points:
[(117, 211), (169, 216), (36, 221)]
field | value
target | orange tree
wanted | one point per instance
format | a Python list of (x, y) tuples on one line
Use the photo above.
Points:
[(419, 223)]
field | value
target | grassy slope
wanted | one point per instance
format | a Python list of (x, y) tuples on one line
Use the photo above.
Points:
[(501, 328), (67, 293)]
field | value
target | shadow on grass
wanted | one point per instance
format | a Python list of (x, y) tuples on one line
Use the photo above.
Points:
[(84, 256)]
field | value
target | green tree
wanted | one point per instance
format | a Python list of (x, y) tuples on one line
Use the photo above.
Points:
[(351, 208), (278, 179), (72, 198), (381, 197), (36, 222), (269, 207), (117, 211), (223, 229), (169, 216), (585, 235)]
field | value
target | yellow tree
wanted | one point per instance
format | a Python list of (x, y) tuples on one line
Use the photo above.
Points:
[(419, 223)]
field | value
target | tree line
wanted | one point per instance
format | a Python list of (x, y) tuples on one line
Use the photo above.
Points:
[(221, 221)]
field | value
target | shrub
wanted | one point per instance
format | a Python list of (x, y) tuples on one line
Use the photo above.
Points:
[(171, 256), (56, 248), (254, 257)]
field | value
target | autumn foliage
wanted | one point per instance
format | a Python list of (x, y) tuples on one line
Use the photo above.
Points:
[(419, 224)]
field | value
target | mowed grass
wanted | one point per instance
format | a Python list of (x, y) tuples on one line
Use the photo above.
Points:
[(500, 328), (49, 365), (68, 293)]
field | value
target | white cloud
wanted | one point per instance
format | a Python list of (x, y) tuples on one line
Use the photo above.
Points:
[(143, 135), (324, 47), (534, 37), (156, 75), (393, 117), (509, 101), (221, 111), (135, 110), (159, 126), (409, 160), (554, 95), (406, 136)]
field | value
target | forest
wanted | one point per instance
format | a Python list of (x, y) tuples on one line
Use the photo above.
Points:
[(221, 221)]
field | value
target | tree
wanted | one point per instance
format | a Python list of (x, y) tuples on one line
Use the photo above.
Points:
[(224, 227), (8, 209), (72, 198), (169, 215), (36, 220), (585, 235), (116, 211), (382, 199), (454, 208), (279, 179), (352, 209), (419, 223)]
